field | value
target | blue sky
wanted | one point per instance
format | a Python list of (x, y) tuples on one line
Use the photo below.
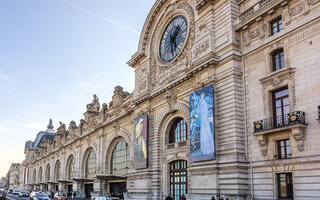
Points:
[(54, 55)]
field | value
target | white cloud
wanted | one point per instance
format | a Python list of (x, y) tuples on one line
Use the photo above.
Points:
[(32, 125), (4, 77)]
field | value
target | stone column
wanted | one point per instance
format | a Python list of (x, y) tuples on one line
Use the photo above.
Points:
[(62, 187), (98, 188), (78, 187)]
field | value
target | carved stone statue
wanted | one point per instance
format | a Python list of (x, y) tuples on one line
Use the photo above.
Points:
[(95, 105), (118, 99), (72, 127), (62, 129)]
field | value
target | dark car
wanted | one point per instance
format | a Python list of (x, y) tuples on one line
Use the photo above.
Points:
[(2, 194), (23, 194), (39, 196)]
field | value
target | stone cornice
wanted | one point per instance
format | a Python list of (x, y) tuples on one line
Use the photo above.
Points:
[(202, 4), (135, 59)]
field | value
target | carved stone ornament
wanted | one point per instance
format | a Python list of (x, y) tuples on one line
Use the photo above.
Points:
[(62, 129), (95, 105), (118, 99), (296, 9), (263, 143), (313, 2), (72, 127), (298, 135), (171, 96)]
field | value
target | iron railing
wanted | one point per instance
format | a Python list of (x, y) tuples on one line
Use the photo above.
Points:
[(297, 117)]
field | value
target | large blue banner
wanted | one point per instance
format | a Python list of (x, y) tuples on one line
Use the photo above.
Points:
[(202, 125)]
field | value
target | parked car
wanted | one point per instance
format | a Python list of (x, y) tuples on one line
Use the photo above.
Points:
[(39, 196), (60, 196), (10, 191), (106, 198), (23, 194), (16, 192), (2, 194)]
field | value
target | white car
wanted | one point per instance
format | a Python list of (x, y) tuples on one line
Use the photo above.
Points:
[(16, 192)]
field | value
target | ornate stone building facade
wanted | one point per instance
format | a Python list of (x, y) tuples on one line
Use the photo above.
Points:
[(254, 54)]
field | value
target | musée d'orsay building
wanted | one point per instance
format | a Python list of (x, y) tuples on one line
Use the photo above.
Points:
[(226, 102)]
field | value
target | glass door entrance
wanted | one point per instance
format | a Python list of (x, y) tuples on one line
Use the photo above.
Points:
[(88, 189), (118, 188)]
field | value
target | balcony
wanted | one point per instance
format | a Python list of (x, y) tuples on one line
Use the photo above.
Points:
[(280, 122)]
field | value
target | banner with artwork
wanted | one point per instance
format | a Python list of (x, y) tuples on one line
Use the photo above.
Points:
[(202, 125), (141, 142)]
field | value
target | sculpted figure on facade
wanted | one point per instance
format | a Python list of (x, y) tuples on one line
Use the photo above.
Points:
[(95, 105), (118, 100), (62, 129)]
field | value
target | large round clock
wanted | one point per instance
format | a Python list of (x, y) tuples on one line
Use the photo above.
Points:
[(173, 38)]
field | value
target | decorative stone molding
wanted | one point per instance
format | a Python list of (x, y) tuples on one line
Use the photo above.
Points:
[(171, 96), (200, 4), (298, 135), (263, 143)]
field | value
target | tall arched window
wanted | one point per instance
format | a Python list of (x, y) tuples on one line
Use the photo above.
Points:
[(40, 174), (178, 179), (120, 159), (178, 131), (34, 175), (91, 165), (71, 169), (58, 171), (48, 173)]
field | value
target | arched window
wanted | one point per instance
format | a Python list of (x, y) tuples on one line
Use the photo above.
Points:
[(178, 179), (120, 159), (91, 165), (58, 171), (48, 173), (71, 169), (40, 174), (34, 175), (178, 131)]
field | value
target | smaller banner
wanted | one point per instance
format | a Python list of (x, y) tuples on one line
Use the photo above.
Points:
[(141, 142), (202, 125)]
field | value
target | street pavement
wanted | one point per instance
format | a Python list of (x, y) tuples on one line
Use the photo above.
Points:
[(16, 197)]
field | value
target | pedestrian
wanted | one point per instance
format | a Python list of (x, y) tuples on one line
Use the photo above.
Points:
[(183, 197), (220, 198), (227, 199), (74, 195), (52, 195), (169, 197), (213, 198)]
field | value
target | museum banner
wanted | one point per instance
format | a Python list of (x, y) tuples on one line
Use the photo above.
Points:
[(202, 125), (141, 142)]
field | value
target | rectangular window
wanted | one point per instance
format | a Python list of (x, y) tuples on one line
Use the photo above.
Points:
[(278, 60), (285, 186), (283, 149), (276, 26), (281, 107)]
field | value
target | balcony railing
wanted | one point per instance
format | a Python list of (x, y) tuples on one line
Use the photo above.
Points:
[(297, 117)]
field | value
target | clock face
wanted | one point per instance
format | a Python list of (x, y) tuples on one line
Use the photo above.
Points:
[(173, 38)]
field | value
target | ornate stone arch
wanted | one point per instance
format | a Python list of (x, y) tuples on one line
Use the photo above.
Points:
[(164, 116), (57, 162), (67, 165), (48, 172), (122, 135), (40, 174), (91, 147)]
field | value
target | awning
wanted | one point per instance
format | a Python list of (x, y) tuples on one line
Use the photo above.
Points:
[(83, 179), (64, 181), (110, 177)]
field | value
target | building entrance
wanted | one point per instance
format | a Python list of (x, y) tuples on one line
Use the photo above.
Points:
[(118, 188), (70, 189), (88, 188)]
